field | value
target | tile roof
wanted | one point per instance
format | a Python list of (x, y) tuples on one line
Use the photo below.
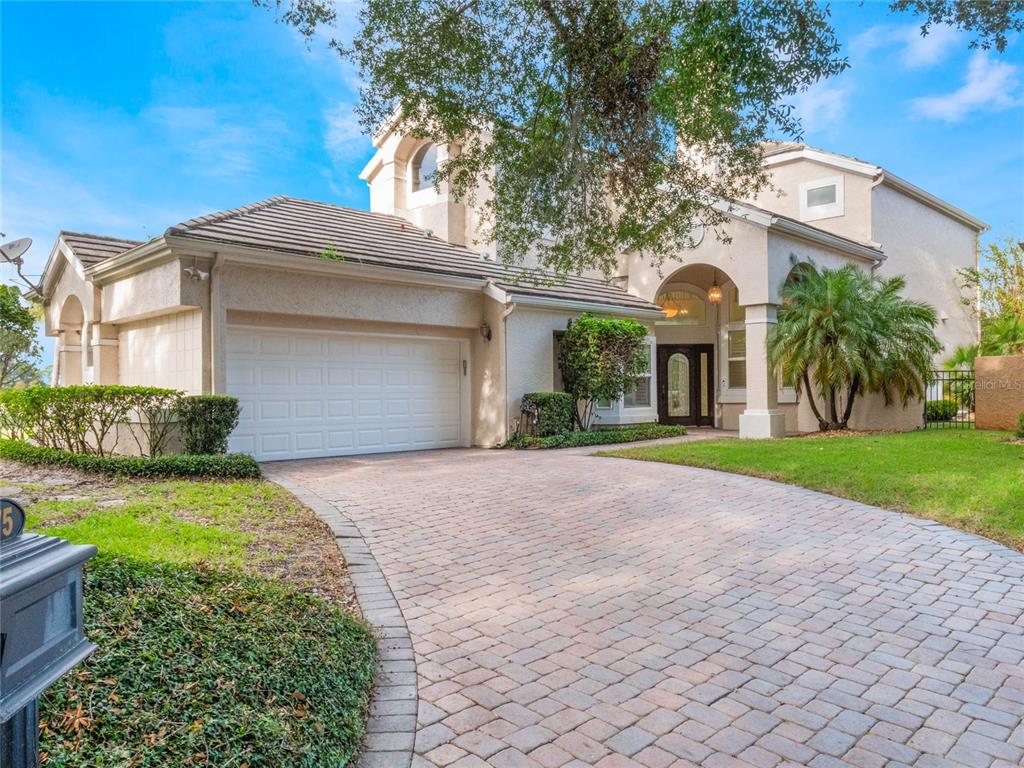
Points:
[(92, 249), (308, 228)]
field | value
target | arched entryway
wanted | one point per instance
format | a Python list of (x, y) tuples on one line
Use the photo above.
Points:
[(701, 347), (69, 343)]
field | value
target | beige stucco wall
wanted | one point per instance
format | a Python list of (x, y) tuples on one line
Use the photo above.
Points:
[(928, 248), (742, 260), (153, 291), (490, 417), (273, 291), (854, 223), (998, 391), (165, 351)]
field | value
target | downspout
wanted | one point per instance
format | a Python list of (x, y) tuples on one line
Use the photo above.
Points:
[(874, 184), (510, 307), (216, 327)]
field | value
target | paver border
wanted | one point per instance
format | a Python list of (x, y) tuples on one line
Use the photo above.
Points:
[(391, 727)]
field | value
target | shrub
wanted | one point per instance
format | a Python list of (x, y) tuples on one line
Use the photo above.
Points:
[(609, 436), (548, 412), (206, 422), (82, 418), (1020, 426), (940, 410), (231, 466), (157, 410), (600, 358), (197, 666)]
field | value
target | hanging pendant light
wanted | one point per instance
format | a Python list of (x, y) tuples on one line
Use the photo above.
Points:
[(714, 292)]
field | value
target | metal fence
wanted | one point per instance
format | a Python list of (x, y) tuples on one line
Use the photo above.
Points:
[(949, 402)]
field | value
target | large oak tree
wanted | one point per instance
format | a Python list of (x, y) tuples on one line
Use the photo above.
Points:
[(598, 127)]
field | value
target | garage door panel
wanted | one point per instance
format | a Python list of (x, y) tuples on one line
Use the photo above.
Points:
[(305, 394)]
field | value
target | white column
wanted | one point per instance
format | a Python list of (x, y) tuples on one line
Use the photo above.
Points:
[(762, 418)]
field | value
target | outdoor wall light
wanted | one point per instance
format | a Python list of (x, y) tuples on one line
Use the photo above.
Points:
[(485, 332)]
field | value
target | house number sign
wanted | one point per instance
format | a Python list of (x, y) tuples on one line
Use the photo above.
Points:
[(12, 519)]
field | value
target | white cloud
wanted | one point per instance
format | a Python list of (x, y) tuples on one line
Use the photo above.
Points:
[(922, 51), (916, 51), (343, 135), (822, 106), (215, 142), (989, 86)]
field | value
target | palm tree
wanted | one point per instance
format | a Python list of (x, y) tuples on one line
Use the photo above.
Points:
[(842, 333)]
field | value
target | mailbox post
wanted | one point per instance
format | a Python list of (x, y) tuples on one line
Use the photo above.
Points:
[(41, 635)]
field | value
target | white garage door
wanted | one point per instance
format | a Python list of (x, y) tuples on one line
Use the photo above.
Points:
[(317, 394)]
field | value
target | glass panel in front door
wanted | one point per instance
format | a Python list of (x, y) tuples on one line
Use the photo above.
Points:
[(678, 386), (704, 384)]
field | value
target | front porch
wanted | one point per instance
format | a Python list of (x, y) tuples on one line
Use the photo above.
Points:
[(707, 362)]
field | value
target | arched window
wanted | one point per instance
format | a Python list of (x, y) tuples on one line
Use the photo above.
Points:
[(424, 167)]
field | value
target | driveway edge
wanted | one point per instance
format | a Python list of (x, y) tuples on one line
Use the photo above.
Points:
[(391, 726)]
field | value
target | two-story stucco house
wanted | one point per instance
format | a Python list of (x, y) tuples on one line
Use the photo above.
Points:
[(346, 331)]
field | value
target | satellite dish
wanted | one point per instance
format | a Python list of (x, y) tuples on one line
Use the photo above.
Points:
[(13, 250)]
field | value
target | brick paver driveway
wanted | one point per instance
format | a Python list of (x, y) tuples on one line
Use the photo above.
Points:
[(566, 609)]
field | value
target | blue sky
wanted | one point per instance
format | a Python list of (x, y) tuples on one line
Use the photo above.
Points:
[(125, 118)]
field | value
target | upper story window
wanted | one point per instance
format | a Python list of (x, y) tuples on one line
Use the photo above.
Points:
[(424, 167), (821, 198)]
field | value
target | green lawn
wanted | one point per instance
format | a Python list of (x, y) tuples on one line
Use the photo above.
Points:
[(224, 622), (972, 480)]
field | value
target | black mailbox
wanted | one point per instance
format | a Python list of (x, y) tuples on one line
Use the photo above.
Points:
[(41, 635)]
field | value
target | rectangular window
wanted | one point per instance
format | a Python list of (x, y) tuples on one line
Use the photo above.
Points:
[(737, 359), (640, 395), (737, 313), (821, 198), (821, 195)]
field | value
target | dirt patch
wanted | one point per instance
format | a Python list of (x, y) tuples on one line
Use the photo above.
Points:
[(292, 545), (844, 433)]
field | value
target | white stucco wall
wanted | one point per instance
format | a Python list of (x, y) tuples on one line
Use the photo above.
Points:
[(928, 247), (165, 351)]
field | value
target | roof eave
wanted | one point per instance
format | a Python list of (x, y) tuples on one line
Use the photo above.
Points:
[(825, 158), (548, 302), (820, 237), (130, 261)]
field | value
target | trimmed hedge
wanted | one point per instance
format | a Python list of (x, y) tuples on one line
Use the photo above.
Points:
[(551, 412), (598, 437), (230, 466), (206, 422), (940, 410), (202, 667)]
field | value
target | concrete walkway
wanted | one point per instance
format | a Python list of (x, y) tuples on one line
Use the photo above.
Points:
[(552, 608)]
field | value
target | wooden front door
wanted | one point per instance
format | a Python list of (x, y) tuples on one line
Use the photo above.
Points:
[(686, 384)]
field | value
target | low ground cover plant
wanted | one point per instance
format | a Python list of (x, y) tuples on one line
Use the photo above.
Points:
[(235, 465), (224, 625), (608, 436)]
